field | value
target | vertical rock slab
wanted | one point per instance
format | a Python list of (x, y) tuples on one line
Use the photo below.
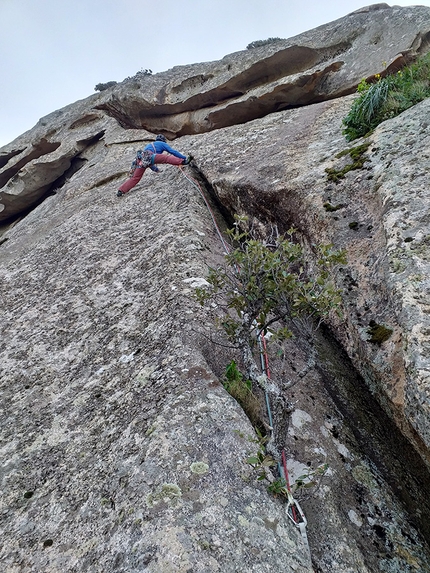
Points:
[(274, 170), (121, 450)]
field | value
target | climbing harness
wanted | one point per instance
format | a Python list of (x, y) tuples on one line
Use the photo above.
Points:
[(294, 511)]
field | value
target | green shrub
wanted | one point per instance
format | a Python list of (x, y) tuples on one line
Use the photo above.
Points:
[(387, 98), (103, 87), (258, 43), (144, 72), (265, 284)]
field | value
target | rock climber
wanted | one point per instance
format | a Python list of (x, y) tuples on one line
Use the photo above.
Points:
[(151, 156)]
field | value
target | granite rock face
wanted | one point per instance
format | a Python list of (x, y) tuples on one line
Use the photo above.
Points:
[(378, 214), (321, 64), (315, 66), (121, 449)]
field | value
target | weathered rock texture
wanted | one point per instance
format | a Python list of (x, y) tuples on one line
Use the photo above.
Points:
[(319, 65), (381, 220), (121, 450)]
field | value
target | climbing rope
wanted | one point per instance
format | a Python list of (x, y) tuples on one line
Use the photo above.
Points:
[(196, 184), (294, 511)]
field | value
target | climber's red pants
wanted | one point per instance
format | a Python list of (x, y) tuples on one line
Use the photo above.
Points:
[(138, 173)]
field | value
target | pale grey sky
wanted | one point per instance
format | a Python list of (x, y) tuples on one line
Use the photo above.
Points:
[(54, 52)]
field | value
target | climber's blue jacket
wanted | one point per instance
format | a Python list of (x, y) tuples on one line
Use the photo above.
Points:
[(160, 146)]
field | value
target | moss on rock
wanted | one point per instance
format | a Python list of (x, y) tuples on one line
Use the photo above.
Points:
[(358, 161), (378, 333)]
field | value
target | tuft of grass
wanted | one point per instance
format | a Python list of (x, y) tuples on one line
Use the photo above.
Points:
[(241, 390), (104, 86), (258, 43), (387, 98)]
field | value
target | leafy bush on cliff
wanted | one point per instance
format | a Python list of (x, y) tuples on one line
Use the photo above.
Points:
[(142, 73), (270, 286), (258, 43), (387, 98), (103, 87)]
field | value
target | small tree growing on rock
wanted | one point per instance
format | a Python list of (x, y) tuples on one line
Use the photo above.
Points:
[(105, 86), (270, 285)]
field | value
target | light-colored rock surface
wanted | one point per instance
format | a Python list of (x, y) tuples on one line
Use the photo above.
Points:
[(110, 394), (279, 178), (326, 62), (112, 420), (321, 64), (119, 444), (402, 172)]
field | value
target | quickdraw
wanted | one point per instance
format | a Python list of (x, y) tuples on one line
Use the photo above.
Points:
[(294, 511)]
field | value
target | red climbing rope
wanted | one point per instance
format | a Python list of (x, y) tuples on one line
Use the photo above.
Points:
[(294, 510)]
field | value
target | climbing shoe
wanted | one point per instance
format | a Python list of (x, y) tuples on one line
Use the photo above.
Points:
[(120, 193), (188, 160)]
